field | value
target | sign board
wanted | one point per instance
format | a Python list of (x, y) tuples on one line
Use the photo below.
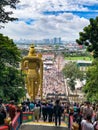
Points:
[(27, 117)]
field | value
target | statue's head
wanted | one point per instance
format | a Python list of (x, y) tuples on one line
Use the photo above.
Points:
[(32, 46), (31, 50)]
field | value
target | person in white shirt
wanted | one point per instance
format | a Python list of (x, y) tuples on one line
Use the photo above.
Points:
[(86, 123), (88, 110)]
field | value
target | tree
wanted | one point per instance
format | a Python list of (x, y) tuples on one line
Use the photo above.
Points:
[(91, 87), (5, 15), (72, 72), (89, 37), (11, 81)]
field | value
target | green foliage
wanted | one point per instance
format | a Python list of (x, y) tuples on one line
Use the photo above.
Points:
[(71, 82), (5, 16), (89, 37), (11, 81), (72, 58), (72, 72), (77, 54), (57, 46), (9, 53), (91, 87)]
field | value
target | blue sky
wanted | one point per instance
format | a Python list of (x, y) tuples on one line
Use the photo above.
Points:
[(42, 19)]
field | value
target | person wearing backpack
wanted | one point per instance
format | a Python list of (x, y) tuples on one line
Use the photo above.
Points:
[(57, 110)]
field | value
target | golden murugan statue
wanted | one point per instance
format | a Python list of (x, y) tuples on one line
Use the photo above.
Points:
[(32, 65)]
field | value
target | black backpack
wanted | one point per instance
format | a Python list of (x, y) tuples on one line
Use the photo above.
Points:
[(58, 110)]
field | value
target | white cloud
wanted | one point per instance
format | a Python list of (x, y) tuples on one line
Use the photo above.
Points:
[(65, 25)]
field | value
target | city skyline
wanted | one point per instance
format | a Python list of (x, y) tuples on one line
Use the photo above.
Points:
[(47, 19)]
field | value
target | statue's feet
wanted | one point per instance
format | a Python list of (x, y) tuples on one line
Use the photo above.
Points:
[(32, 97)]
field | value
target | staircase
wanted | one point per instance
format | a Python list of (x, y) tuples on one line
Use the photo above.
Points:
[(39, 126)]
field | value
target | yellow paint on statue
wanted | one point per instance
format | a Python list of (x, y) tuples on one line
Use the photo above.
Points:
[(32, 65)]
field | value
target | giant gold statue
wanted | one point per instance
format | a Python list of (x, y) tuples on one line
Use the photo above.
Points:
[(32, 65)]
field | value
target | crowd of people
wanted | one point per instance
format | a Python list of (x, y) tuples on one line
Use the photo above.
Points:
[(46, 111), (7, 111), (41, 110), (85, 116), (53, 80)]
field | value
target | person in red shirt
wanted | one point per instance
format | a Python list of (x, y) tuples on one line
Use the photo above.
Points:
[(12, 110)]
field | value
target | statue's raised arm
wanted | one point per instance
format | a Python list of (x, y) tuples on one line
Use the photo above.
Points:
[(32, 65)]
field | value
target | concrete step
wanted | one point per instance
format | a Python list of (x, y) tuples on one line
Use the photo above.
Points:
[(42, 126)]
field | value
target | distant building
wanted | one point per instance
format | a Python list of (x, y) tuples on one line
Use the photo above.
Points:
[(46, 41), (83, 65), (57, 40)]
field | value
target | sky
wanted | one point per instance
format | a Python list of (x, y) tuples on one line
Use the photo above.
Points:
[(43, 19)]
